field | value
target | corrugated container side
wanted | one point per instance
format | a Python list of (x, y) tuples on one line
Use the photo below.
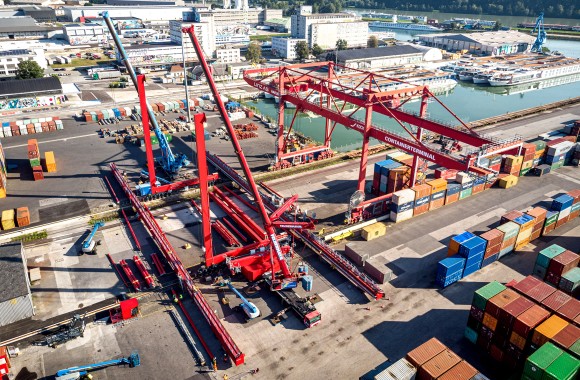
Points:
[(399, 370), (438, 365), (425, 352), (548, 329)]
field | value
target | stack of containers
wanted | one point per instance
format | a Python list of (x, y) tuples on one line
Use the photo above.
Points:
[(570, 282), (550, 223), (456, 241), (466, 184), (452, 194), (491, 317), (399, 370), (559, 153), (512, 165), (562, 204), (575, 210), (34, 158), (495, 162), (444, 173), (432, 359), (402, 205), (476, 313), (472, 250), (510, 233), (539, 215), (540, 151), (543, 259), (528, 154), (547, 330), (526, 223), (398, 178), (381, 175), (559, 265), (50, 162), (422, 199), (550, 362), (449, 270), (478, 185), (494, 239), (438, 190)]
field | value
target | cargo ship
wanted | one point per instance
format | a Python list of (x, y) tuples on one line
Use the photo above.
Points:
[(537, 72), (404, 26)]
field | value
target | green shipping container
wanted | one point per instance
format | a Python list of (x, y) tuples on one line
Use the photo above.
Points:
[(551, 220), (510, 229), (540, 144), (483, 294), (35, 162), (565, 367), (575, 348), (548, 254), (539, 361), (557, 165), (465, 193), (524, 172), (570, 280), (575, 207), (471, 335)]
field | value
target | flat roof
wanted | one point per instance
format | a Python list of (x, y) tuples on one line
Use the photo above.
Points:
[(500, 37), (152, 46), (30, 86), (13, 279), (345, 55)]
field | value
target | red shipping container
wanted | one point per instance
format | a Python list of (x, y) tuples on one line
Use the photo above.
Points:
[(555, 301), (499, 301), (437, 203), (575, 194), (563, 262), (30, 129), (462, 371), (527, 284), (484, 338), (508, 315), (421, 191), (425, 352), (529, 319), (38, 175), (569, 310), (477, 189), (490, 251), (567, 336), (549, 228), (445, 173), (421, 209), (513, 356), (574, 215), (437, 366), (451, 198), (476, 313), (511, 216), (552, 279), (536, 234), (540, 292), (496, 353), (493, 237), (509, 242), (539, 213)]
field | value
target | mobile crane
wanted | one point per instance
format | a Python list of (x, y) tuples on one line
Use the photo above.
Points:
[(248, 307), (81, 372), (90, 245), (170, 162)]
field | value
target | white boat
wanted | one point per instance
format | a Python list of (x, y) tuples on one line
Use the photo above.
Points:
[(517, 77), (467, 75), (404, 26), (483, 77)]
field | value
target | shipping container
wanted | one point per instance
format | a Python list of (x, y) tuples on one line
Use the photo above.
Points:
[(399, 370), (438, 365), (456, 242), (374, 231), (425, 352), (449, 270), (499, 301), (565, 367), (376, 267), (529, 319), (8, 218), (357, 252), (537, 363), (570, 310), (50, 162), (509, 314), (547, 330), (567, 336), (570, 281), (22, 216), (555, 301), (508, 181)]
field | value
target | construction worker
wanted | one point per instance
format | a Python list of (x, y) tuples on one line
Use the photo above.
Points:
[(226, 377), (175, 299), (214, 363)]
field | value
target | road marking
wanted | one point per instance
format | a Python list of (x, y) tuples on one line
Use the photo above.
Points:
[(48, 141)]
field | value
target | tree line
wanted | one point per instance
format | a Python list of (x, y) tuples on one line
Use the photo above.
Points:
[(551, 8)]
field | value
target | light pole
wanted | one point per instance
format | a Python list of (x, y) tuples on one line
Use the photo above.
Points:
[(188, 106)]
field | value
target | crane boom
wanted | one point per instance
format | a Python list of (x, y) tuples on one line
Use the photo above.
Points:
[(249, 308), (541, 37), (89, 243), (169, 161), (133, 361)]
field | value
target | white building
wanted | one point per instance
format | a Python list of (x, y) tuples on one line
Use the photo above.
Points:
[(145, 13), (228, 55), (381, 57), (205, 32), (325, 29), (486, 43), (85, 34), (285, 47), (236, 70), (158, 56), (9, 60)]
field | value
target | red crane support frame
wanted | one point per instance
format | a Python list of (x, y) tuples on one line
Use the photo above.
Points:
[(296, 82)]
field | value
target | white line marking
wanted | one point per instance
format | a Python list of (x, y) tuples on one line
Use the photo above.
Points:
[(48, 141)]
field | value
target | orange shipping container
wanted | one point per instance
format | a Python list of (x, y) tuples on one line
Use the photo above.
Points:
[(425, 352), (50, 162), (462, 371), (437, 366), (548, 329), (22, 216)]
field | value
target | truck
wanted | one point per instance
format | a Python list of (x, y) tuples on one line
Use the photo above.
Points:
[(301, 306), (107, 74)]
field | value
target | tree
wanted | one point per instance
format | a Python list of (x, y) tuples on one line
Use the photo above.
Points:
[(341, 44), (29, 70), (497, 26), (415, 20), (302, 50), (316, 50), (373, 42), (254, 53)]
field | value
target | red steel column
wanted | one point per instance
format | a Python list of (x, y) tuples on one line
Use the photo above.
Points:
[(422, 113), (199, 119), (327, 127), (365, 149), (146, 131), (280, 138)]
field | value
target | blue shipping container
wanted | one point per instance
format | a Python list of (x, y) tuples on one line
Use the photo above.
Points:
[(521, 220), (401, 208), (307, 282), (489, 260), (475, 259), (422, 201), (450, 265), (453, 188), (449, 279), (471, 269), (472, 247), (438, 195), (562, 202), (479, 181)]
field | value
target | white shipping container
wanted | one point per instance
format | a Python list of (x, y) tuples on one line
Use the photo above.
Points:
[(1, 133), (564, 213), (401, 216), (399, 370), (23, 130), (560, 148), (20, 122), (7, 131), (49, 118), (403, 196), (128, 111), (462, 178), (42, 120), (37, 128)]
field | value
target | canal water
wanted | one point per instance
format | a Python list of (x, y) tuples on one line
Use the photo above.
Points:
[(469, 102)]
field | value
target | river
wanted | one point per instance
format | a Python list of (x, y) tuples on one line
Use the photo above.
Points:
[(504, 20)]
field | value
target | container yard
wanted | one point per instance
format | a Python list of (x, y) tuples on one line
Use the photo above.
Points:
[(197, 239)]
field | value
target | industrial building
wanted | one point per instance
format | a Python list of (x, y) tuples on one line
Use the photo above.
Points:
[(281, 25), (228, 17), (376, 58), (485, 43), (325, 29), (9, 60), (15, 296), (205, 32), (85, 34), (228, 55), (23, 28), (38, 13), (140, 3), (11, 89), (148, 13), (284, 47)]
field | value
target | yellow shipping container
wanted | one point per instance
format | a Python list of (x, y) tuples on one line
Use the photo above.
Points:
[(50, 162), (527, 164), (8, 219), (513, 160), (489, 321), (548, 329), (374, 231), (437, 185), (2, 192), (518, 341), (539, 153), (508, 181)]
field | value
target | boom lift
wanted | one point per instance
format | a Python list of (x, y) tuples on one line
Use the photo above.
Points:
[(81, 372), (248, 307), (287, 279), (90, 245)]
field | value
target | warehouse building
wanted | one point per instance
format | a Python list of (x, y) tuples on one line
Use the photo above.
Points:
[(25, 28), (145, 13), (484, 43), (15, 295), (381, 57), (85, 34), (10, 89), (9, 60)]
